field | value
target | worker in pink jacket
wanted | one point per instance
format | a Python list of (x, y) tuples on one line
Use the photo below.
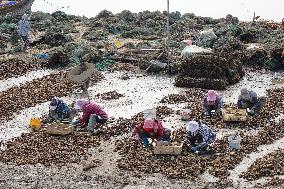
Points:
[(92, 114), (150, 128)]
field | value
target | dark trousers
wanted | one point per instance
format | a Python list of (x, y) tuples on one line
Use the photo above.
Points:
[(98, 120), (26, 41)]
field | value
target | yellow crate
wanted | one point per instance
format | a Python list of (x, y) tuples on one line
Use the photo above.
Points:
[(162, 147), (233, 114)]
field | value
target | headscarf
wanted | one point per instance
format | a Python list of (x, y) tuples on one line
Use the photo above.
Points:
[(245, 94), (55, 101), (80, 103), (192, 127), (188, 42), (212, 96), (150, 124)]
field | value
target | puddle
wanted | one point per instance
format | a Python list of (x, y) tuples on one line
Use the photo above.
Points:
[(17, 81)]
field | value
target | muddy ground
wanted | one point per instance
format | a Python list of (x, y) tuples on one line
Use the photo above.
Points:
[(141, 92), (138, 91)]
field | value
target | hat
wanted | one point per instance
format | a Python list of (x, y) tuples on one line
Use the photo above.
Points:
[(188, 42), (80, 103), (192, 127), (54, 101), (148, 124), (245, 93), (52, 108), (212, 95)]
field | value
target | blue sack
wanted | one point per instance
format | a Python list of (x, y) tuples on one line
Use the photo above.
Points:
[(41, 56)]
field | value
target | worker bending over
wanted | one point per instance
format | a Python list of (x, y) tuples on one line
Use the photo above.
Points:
[(92, 114), (200, 136), (212, 101), (150, 128), (59, 110), (248, 100)]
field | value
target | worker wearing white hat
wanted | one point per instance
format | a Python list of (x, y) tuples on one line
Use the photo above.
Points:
[(199, 136)]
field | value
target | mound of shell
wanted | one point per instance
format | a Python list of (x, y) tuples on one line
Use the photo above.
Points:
[(275, 182), (14, 67), (270, 165), (40, 147), (123, 67), (110, 95), (208, 71), (138, 159), (174, 98), (31, 93)]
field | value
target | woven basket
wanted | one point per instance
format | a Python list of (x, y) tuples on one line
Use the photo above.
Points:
[(76, 75), (59, 129)]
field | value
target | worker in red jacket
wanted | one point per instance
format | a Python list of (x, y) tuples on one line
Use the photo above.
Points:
[(150, 128), (92, 114)]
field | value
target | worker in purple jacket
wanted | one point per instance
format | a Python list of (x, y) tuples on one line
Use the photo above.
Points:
[(92, 114)]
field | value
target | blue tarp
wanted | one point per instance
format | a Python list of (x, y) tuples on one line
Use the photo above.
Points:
[(9, 3)]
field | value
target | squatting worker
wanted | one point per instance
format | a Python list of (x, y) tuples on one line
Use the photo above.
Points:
[(59, 110), (23, 29), (92, 114), (150, 128), (248, 99), (212, 101), (200, 136)]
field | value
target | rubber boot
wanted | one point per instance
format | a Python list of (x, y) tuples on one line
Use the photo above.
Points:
[(92, 123)]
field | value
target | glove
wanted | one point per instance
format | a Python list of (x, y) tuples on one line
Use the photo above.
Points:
[(194, 149), (201, 145), (75, 123), (251, 112)]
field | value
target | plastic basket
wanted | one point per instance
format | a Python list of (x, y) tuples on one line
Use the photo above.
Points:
[(35, 124), (185, 114), (234, 141)]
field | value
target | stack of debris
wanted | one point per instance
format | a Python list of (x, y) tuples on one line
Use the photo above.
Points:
[(208, 71)]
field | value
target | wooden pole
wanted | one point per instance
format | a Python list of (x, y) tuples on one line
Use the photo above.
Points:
[(168, 36)]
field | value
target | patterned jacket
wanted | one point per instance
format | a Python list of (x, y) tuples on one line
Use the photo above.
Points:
[(205, 135), (62, 109), (92, 108)]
